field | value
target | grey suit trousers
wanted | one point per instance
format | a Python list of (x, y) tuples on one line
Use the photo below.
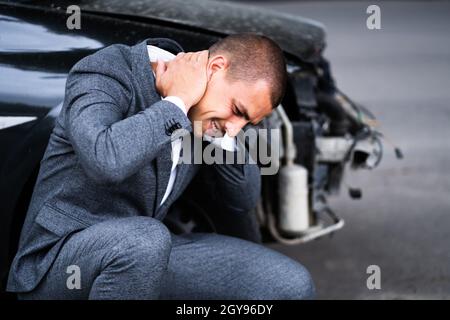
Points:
[(138, 258)]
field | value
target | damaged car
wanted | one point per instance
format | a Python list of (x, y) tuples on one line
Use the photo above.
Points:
[(323, 132)]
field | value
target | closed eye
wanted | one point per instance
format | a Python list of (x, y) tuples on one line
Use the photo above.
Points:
[(240, 112), (237, 112)]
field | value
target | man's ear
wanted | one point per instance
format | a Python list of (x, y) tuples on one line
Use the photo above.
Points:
[(216, 64)]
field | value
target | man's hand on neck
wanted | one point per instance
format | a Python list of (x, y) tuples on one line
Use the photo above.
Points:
[(184, 77)]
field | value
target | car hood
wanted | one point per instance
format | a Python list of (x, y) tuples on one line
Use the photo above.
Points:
[(301, 37)]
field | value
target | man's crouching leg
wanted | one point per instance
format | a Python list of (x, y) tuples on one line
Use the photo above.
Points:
[(212, 266), (122, 258)]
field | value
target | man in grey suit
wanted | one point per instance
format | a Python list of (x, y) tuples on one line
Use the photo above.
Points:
[(110, 173)]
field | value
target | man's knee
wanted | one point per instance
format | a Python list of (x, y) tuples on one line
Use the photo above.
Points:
[(298, 284), (138, 240)]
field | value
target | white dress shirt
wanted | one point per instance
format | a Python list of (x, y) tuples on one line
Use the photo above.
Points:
[(226, 142)]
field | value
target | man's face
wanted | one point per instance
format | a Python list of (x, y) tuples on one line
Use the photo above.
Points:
[(228, 105)]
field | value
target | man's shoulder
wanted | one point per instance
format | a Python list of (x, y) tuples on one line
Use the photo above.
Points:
[(109, 58), (118, 56)]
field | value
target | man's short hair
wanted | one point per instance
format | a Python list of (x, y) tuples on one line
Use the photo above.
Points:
[(254, 57)]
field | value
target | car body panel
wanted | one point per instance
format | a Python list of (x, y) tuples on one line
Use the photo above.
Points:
[(299, 36)]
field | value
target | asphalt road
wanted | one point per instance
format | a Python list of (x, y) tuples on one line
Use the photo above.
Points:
[(402, 224)]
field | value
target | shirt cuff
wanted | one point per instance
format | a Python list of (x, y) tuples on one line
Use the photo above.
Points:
[(178, 102)]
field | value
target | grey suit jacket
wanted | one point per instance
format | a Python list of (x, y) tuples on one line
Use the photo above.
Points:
[(109, 156)]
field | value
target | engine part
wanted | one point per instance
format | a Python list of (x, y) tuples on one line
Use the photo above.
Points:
[(294, 216), (293, 199), (333, 149)]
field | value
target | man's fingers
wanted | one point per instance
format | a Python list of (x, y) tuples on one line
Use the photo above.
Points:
[(184, 76), (188, 56), (179, 55), (202, 56), (160, 68), (195, 57)]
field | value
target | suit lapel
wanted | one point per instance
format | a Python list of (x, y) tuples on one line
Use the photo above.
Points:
[(182, 174), (164, 158), (182, 170), (163, 169)]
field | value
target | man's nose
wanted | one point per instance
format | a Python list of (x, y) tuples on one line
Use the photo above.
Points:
[(234, 126)]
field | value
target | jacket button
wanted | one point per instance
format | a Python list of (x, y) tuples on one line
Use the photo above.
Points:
[(170, 126)]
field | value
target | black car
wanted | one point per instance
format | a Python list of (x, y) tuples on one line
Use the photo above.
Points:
[(38, 46)]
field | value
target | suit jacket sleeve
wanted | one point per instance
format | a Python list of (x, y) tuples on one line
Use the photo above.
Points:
[(109, 145), (238, 186), (227, 193), (233, 187)]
